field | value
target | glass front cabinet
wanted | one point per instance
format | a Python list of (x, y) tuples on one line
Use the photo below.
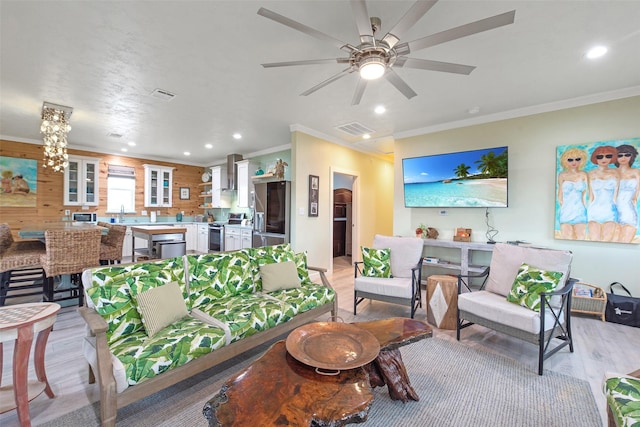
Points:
[(81, 181), (157, 186)]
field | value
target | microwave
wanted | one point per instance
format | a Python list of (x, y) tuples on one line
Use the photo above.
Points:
[(85, 217)]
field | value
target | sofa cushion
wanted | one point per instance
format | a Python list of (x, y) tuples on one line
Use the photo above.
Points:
[(529, 283), (393, 287), (405, 252), (115, 304), (497, 309), (144, 357), (306, 297), (160, 306), (267, 255), (247, 314), (301, 265), (279, 275), (139, 284), (219, 275), (507, 259), (377, 262)]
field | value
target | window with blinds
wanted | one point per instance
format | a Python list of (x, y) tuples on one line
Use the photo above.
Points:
[(121, 189)]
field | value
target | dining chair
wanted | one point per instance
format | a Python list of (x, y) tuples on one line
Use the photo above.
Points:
[(19, 264), (111, 243), (69, 252)]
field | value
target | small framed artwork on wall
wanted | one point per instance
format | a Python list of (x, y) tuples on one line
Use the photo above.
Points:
[(184, 193), (314, 187)]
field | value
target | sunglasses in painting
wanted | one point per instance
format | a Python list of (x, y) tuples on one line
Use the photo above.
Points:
[(577, 159), (624, 154), (602, 156)]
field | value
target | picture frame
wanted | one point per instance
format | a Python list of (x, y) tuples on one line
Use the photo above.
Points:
[(314, 188), (184, 193)]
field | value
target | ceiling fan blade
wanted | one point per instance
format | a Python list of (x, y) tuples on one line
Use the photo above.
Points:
[(307, 62), (426, 64), (458, 32), (363, 22), (409, 19), (326, 82), (360, 87), (300, 27), (399, 84)]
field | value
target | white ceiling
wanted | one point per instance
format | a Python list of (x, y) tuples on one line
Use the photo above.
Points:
[(104, 58)]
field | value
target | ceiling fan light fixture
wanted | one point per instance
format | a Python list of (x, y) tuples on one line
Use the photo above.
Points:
[(372, 68)]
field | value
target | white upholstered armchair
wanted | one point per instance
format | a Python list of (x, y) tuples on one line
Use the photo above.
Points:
[(526, 294), (403, 285)]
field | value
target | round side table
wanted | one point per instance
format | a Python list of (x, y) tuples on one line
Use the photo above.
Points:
[(20, 323)]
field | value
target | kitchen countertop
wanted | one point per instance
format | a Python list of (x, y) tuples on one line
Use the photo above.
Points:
[(158, 229)]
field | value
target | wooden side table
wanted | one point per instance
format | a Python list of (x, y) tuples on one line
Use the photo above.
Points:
[(442, 301), (20, 323)]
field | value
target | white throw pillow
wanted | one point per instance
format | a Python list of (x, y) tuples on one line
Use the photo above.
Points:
[(161, 306)]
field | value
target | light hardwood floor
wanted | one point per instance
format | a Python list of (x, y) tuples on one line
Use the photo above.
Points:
[(599, 347)]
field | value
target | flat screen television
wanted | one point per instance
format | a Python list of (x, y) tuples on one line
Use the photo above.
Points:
[(466, 179)]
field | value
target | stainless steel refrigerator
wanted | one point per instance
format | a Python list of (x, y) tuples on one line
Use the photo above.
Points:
[(272, 213)]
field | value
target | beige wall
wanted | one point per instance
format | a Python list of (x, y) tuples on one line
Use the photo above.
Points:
[(530, 216), (373, 188)]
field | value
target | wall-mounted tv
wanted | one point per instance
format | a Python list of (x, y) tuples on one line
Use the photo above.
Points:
[(466, 179)]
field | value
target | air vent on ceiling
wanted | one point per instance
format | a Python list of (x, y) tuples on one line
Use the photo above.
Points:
[(355, 129), (162, 94), (114, 135)]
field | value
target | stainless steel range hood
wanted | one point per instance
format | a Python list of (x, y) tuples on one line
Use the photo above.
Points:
[(232, 172)]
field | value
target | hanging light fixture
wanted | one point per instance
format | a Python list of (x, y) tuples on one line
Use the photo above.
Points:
[(55, 127)]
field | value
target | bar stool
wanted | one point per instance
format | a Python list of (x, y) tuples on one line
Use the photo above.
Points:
[(111, 243), (19, 263), (68, 253)]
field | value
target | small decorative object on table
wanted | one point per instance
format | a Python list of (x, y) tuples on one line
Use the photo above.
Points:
[(462, 235)]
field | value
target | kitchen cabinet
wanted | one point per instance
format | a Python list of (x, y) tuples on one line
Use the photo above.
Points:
[(81, 178), (158, 184), (203, 238), (246, 169), (231, 238), (127, 245), (246, 238), (192, 237)]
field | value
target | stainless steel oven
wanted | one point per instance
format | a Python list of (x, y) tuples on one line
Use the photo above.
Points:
[(216, 237)]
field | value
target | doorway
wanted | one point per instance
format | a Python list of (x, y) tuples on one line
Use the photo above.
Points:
[(343, 219)]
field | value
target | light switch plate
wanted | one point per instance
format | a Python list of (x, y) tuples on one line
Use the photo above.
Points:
[(300, 211)]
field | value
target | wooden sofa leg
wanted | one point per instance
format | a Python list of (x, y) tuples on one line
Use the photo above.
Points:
[(92, 377), (108, 406)]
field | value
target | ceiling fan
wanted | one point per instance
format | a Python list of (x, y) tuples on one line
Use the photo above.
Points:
[(375, 57)]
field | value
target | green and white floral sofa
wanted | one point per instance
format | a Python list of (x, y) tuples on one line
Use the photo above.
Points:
[(623, 399), (153, 324)]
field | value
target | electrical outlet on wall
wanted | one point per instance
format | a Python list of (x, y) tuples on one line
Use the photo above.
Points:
[(67, 212), (143, 213)]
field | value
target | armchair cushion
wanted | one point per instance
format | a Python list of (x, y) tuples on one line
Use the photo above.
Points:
[(376, 262), (529, 283), (405, 252), (392, 287), (507, 259)]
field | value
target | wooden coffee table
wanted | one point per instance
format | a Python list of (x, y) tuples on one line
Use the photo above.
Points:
[(388, 368), (276, 389)]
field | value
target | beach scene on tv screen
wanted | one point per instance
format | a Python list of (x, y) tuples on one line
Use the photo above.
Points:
[(475, 178)]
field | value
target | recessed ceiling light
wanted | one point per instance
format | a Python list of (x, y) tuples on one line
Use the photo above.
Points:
[(208, 146), (596, 52), (473, 110), (186, 153), (124, 150), (380, 109), (237, 136), (366, 136), (131, 144)]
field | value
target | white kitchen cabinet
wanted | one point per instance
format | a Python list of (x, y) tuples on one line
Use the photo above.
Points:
[(81, 178), (246, 238), (203, 238), (232, 239), (127, 244), (158, 184), (191, 237), (246, 170)]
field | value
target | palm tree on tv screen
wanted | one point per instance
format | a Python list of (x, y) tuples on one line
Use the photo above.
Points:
[(462, 170)]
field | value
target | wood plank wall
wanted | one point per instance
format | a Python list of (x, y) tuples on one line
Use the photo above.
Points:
[(50, 201)]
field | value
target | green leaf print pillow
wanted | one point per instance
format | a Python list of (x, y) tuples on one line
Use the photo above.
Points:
[(377, 262), (529, 283)]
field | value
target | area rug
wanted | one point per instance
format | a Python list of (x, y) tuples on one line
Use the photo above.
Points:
[(458, 386)]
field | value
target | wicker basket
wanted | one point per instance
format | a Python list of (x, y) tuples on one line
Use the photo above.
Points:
[(594, 304)]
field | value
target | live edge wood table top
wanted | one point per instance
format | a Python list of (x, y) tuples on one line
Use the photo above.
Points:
[(276, 389)]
